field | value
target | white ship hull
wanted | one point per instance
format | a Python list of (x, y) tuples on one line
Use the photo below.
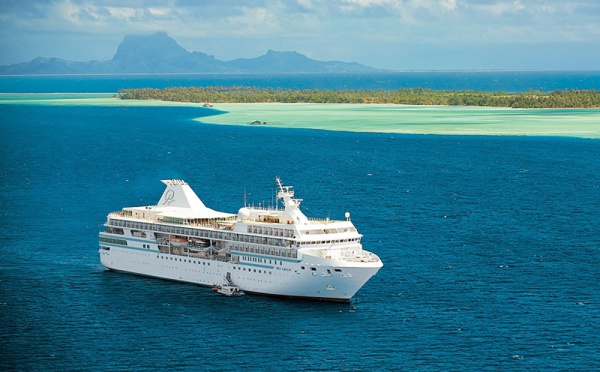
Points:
[(282, 278), (263, 251)]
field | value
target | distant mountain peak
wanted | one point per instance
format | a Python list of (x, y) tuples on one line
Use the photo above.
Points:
[(148, 46), (160, 53)]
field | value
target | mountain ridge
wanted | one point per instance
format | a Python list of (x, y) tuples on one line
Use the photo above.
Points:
[(159, 53)]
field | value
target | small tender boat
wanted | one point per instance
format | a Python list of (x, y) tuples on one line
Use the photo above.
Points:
[(230, 290)]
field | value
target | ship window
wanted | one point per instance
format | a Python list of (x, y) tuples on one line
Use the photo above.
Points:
[(302, 267), (338, 270), (113, 241), (313, 268)]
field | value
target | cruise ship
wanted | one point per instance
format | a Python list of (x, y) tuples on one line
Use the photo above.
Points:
[(275, 251)]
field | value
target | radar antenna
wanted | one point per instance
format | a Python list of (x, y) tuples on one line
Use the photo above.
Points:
[(287, 194)]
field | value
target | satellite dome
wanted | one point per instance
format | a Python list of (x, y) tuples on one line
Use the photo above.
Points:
[(244, 213)]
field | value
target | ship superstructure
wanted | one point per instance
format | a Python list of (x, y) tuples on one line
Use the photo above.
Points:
[(273, 251)]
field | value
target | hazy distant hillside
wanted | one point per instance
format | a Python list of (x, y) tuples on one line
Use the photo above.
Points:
[(159, 53)]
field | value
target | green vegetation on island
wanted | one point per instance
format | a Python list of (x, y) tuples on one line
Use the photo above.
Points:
[(417, 96)]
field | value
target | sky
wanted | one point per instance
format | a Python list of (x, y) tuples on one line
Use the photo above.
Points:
[(388, 34)]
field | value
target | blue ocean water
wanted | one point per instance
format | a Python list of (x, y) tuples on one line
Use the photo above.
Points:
[(490, 245), (491, 81)]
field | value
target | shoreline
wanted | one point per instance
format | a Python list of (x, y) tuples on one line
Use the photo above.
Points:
[(366, 118)]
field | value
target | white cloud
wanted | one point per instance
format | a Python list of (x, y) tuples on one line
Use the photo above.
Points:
[(322, 29), (518, 5), (500, 8), (123, 13), (307, 4), (448, 4), (254, 22)]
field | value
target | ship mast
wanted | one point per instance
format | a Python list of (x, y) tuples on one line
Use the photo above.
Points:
[(287, 195)]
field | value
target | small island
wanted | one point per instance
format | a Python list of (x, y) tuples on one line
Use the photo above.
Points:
[(416, 96)]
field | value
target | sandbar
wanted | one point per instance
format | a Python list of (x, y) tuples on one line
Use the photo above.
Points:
[(375, 118), (81, 99), (408, 119)]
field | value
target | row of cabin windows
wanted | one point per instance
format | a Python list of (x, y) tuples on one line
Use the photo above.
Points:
[(115, 230), (271, 251), (260, 260), (220, 235), (315, 269), (270, 231), (261, 240), (169, 229), (104, 239), (183, 260), (251, 270), (331, 241)]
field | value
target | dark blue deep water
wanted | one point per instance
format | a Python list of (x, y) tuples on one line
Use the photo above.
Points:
[(491, 246)]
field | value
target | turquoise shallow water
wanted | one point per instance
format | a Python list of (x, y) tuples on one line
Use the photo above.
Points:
[(584, 123), (490, 246), (406, 119)]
